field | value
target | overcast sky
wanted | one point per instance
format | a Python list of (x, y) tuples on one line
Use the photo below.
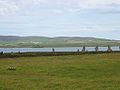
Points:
[(84, 18)]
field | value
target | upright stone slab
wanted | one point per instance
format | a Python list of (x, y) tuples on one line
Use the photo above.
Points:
[(1, 53), (109, 49), (78, 50), (83, 50), (97, 49), (53, 50)]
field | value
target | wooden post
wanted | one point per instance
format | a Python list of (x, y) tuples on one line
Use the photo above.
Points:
[(97, 49), (83, 50), (109, 49)]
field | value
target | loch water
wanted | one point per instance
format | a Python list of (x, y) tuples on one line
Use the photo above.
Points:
[(58, 49)]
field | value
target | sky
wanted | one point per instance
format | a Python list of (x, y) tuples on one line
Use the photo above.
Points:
[(53, 18)]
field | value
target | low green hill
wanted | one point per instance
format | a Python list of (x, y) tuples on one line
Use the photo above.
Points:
[(33, 41)]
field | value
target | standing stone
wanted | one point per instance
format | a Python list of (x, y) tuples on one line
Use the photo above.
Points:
[(12, 53), (97, 49), (109, 49), (18, 52), (83, 50), (53, 50), (1, 53), (78, 50)]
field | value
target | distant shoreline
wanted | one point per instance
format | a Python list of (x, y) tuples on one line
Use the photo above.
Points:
[(37, 54)]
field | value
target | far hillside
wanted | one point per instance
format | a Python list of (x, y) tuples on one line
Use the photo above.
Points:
[(37, 41)]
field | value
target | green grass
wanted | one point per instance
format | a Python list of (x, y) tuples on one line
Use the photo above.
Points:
[(75, 72)]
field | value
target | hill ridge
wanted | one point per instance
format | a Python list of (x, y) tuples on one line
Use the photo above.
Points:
[(42, 41)]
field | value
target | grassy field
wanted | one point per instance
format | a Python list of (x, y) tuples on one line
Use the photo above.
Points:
[(74, 72)]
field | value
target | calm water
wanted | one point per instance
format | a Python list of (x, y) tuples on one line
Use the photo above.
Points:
[(61, 49)]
